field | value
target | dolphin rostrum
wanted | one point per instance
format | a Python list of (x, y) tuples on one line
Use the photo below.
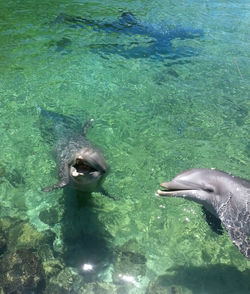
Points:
[(227, 197)]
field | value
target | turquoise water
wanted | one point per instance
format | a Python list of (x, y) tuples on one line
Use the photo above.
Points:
[(154, 117)]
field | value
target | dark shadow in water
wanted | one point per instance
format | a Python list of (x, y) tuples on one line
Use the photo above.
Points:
[(213, 279), (213, 222), (84, 238), (157, 44), (157, 51)]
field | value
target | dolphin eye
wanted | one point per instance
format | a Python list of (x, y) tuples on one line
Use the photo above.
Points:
[(209, 190)]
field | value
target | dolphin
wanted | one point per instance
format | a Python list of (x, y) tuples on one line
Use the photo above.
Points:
[(80, 164), (157, 42), (227, 197), (128, 24)]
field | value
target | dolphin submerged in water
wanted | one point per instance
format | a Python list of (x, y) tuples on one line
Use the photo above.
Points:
[(227, 197), (157, 40), (80, 164)]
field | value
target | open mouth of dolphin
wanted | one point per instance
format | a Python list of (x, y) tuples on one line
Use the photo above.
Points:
[(177, 189), (172, 192), (180, 189), (168, 192), (82, 167)]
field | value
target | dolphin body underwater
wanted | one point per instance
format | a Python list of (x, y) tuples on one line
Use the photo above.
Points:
[(80, 164), (157, 42), (227, 197)]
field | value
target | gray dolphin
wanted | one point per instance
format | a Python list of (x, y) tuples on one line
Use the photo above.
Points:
[(225, 196), (79, 163)]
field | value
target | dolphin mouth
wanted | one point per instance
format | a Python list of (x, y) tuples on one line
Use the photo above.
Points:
[(167, 191), (173, 192), (82, 167)]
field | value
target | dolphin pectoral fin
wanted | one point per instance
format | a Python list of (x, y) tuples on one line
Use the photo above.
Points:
[(128, 18), (58, 185)]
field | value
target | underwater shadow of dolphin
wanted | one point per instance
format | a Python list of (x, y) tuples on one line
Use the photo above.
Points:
[(210, 279), (84, 238), (157, 43)]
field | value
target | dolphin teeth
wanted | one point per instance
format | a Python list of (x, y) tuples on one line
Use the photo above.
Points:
[(74, 173)]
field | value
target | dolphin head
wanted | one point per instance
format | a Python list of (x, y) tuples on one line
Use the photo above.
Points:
[(88, 169), (225, 196), (208, 187)]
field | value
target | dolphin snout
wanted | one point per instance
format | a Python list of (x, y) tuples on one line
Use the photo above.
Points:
[(164, 185), (164, 189)]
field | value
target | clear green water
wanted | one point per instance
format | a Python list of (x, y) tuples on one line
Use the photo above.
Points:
[(154, 117)]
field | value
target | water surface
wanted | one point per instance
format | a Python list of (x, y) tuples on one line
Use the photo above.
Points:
[(154, 117)]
